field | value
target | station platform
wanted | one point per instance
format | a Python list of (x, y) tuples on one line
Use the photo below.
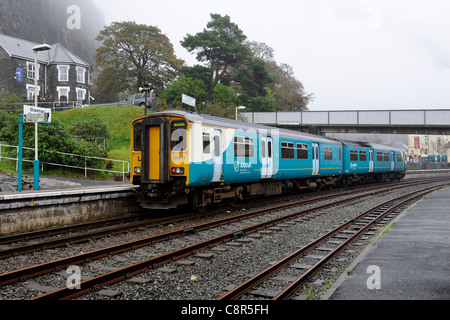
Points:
[(411, 261), (64, 201)]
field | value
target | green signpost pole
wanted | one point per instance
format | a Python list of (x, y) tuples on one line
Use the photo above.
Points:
[(20, 152)]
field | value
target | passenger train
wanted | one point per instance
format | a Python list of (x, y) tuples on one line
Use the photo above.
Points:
[(180, 158)]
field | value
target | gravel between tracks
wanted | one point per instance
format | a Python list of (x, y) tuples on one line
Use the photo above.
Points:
[(206, 277)]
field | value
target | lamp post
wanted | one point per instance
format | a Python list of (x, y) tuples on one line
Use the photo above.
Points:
[(146, 89), (36, 49), (239, 108)]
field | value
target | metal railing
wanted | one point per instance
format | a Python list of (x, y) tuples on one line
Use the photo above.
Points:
[(412, 117), (7, 156), (55, 106)]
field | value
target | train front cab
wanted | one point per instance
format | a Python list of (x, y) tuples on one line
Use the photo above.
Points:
[(159, 160)]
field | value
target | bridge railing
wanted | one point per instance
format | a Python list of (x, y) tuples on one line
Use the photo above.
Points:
[(358, 118)]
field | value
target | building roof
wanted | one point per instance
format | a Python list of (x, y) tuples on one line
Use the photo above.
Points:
[(23, 49)]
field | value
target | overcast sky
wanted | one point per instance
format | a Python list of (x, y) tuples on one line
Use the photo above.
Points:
[(352, 54)]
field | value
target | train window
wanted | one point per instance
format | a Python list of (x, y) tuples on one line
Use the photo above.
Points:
[(217, 146), (178, 135), (206, 143), (302, 151), (379, 156), (399, 157), (244, 147), (386, 156), (263, 150), (137, 139), (327, 153), (353, 155), (362, 155), (269, 147), (287, 150)]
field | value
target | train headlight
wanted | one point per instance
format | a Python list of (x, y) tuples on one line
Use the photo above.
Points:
[(177, 170), (137, 170)]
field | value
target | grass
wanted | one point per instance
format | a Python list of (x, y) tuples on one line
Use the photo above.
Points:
[(117, 118)]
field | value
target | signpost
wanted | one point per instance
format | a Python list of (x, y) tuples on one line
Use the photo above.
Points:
[(188, 100), (32, 115), (31, 112), (35, 117)]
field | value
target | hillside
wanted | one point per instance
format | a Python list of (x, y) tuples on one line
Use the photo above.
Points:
[(46, 21), (117, 119)]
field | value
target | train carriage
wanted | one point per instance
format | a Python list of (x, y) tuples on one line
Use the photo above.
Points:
[(181, 158), (358, 161)]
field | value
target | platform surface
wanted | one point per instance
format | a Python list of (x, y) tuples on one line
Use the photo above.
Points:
[(411, 261)]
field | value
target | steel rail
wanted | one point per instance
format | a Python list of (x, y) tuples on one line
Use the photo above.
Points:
[(265, 274), (33, 271), (130, 271), (26, 273), (52, 243), (19, 237), (292, 288), (89, 235)]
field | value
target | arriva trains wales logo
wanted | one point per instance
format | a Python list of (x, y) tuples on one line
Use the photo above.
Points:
[(241, 166)]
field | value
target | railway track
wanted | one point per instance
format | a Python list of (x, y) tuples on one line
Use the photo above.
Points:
[(347, 233), (63, 236), (158, 260)]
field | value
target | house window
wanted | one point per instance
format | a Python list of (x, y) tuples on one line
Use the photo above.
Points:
[(81, 72), (30, 70), (81, 95), (63, 73), (31, 91), (63, 92)]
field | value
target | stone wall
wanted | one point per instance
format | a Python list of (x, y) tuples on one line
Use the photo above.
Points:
[(23, 212)]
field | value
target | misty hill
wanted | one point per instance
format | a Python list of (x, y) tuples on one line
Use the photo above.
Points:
[(45, 21)]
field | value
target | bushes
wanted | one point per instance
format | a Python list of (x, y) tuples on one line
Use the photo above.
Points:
[(53, 138)]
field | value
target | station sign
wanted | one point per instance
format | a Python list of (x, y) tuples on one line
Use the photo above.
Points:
[(35, 117), (33, 114), (188, 100)]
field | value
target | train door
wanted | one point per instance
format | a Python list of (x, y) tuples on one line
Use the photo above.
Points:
[(218, 158), (392, 160), (155, 150), (266, 157), (371, 166), (316, 163), (154, 135)]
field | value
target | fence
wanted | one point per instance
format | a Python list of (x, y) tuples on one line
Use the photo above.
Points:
[(55, 106), (7, 156)]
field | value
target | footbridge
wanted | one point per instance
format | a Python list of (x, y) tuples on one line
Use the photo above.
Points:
[(424, 121)]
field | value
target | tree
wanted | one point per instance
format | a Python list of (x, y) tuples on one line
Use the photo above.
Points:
[(132, 55), (288, 92), (192, 87), (253, 80), (221, 45)]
